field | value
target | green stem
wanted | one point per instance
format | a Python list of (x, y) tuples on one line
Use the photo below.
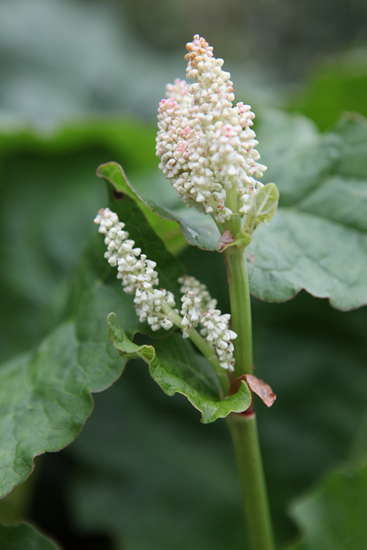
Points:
[(243, 428), (247, 450), (239, 296)]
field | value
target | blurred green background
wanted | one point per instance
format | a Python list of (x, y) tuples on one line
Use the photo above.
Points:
[(80, 83)]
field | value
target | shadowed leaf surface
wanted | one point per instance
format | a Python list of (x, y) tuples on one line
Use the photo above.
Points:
[(24, 537), (333, 515)]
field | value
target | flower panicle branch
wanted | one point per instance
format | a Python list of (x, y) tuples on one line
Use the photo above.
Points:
[(157, 306)]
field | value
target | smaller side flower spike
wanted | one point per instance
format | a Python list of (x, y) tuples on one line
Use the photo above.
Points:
[(137, 273), (215, 328), (195, 300), (198, 308)]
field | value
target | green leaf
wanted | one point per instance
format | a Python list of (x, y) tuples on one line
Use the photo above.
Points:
[(198, 229), (336, 87), (44, 401), (24, 537), (46, 395), (317, 241), (263, 209), (129, 211), (167, 229), (333, 515), (266, 202), (177, 368)]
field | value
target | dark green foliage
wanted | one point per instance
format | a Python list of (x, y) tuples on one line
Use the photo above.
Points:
[(24, 536), (148, 473)]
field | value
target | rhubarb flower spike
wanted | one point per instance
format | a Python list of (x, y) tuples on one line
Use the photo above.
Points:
[(199, 309), (137, 273), (156, 306), (205, 142)]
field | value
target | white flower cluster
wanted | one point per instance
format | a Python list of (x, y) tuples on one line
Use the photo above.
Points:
[(137, 273), (139, 277), (198, 308), (195, 300), (205, 143)]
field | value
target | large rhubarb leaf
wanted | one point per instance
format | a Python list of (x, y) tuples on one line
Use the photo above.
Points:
[(46, 395), (318, 239)]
